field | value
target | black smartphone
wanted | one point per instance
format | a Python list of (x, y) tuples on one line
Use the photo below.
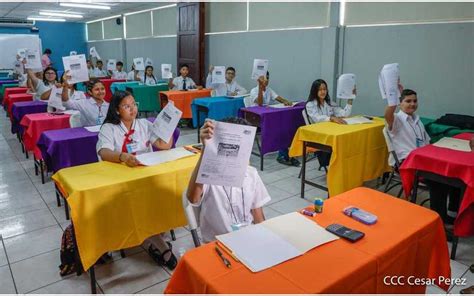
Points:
[(345, 232)]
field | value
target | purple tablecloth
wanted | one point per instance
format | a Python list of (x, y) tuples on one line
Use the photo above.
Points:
[(277, 125), (20, 109)]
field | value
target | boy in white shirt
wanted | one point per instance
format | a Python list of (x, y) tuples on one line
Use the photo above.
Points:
[(408, 133), (98, 71), (119, 73), (224, 209), (229, 88), (182, 82), (90, 68)]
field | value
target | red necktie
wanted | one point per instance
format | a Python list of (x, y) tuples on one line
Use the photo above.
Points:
[(127, 140)]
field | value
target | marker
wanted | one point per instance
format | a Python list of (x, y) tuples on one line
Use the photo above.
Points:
[(308, 213)]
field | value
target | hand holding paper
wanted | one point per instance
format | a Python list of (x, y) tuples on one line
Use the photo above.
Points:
[(148, 62), (166, 71), (111, 64), (218, 74), (346, 86), (33, 59), (139, 64), (55, 99), (260, 68), (166, 122), (93, 52), (76, 66)]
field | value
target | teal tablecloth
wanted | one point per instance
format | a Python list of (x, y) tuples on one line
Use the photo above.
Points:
[(219, 108), (147, 96), (122, 86)]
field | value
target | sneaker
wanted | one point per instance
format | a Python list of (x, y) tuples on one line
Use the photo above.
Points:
[(284, 161), (294, 162)]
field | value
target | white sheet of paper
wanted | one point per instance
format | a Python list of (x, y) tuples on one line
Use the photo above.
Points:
[(93, 129), (93, 52), (77, 67), (281, 105), (139, 64), (382, 87), (157, 157), (298, 230), (346, 84), (166, 122), (22, 53), (390, 77), (260, 68), (148, 62), (238, 96), (454, 144), (218, 75), (55, 99), (258, 248), (111, 64), (166, 71), (227, 155), (357, 120), (33, 59), (72, 53)]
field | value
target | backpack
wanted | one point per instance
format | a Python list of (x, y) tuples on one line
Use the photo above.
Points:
[(70, 260), (457, 120)]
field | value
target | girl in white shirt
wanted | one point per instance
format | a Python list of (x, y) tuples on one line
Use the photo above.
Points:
[(319, 107), (148, 78), (42, 87), (70, 91), (121, 137)]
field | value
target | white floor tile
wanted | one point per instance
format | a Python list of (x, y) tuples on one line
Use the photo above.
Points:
[(70, 285), (27, 222), (155, 289), (6, 280), (289, 205)]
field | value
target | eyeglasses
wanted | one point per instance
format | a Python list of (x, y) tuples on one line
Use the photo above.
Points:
[(50, 73), (128, 107)]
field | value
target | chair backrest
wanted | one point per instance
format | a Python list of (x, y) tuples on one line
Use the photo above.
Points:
[(305, 117), (391, 150), (75, 120)]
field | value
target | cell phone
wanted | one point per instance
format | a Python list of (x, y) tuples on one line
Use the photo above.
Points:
[(345, 232)]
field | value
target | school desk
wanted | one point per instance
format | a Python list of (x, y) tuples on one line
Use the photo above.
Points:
[(359, 153), (3, 87), (115, 86), (14, 98), (451, 167), (277, 126), (8, 81), (147, 96), (107, 83), (183, 99), (20, 109), (216, 108), (134, 204), (11, 89), (395, 245)]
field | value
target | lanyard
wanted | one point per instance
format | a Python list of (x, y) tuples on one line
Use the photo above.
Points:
[(229, 198), (421, 136), (228, 86)]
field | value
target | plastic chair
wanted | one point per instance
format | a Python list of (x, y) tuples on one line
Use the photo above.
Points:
[(309, 150), (192, 215)]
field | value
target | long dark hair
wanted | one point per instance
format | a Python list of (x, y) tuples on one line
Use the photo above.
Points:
[(112, 114), (44, 75), (313, 93), (144, 79)]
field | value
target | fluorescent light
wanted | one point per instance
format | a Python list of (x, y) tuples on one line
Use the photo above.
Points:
[(81, 5), (46, 19), (60, 14)]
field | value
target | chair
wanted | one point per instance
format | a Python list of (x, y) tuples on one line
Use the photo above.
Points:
[(310, 150), (192, 215)]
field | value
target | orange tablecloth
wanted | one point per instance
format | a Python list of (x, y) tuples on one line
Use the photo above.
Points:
[(407, 240), (35, 124), (107, 83), (14, 98), (183, 99)]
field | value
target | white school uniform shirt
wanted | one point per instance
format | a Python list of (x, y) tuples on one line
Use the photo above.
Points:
[(405, 130), (147, 80), (91, 72), (119, 75), (216, 216), (178, 83), (41, 88), (269, 97), (112, 136), (224, 89), (100, 73), (324, 113), (91, 112)]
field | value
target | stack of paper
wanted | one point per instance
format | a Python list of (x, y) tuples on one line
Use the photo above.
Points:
[(154, 158), (357, 120), (281, 105), (274, 241), (454, 144)]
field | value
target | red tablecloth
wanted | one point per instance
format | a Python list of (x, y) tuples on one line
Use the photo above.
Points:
[(35, 124), (14, 98), (12, 90), (107, 82), (449, 163)]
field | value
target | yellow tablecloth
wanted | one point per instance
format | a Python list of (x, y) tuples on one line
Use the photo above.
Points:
[(359, 152), (115, 207)]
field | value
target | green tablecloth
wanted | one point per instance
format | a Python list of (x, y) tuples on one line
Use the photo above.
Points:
[(437, 131), (147, 96), (122, 85), (2, 88)]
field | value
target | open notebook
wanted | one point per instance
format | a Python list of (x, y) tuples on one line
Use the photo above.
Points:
[(357, 120), (281, 105), (157, 157), (454, 144), (276, 240)]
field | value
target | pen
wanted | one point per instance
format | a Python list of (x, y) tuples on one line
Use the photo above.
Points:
[(226, 262), (227, 251)]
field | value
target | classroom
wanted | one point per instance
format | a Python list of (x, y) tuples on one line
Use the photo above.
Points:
[(243, 147)]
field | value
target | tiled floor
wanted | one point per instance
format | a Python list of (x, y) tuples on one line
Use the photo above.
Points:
[(31, 225)]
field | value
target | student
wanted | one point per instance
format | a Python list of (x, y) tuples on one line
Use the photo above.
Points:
[(134, 75), (407, 133), (41, 86), (119, 73), (224, 208), (45, 59), (229, 88), (182, 82), (93, 109), (90, 69), (148, 78), (70, 92), (121, 137), (319, 107), (263, 95), (98, 71)]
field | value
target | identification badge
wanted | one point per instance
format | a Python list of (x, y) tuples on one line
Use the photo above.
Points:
[(237, 226), (132, 147), (419, 142), (100, 120)]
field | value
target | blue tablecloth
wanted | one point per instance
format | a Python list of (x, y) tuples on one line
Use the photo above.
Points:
[(219, 108), (122, 85)]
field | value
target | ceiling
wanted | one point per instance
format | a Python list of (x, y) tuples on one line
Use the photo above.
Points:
[(23, 9)]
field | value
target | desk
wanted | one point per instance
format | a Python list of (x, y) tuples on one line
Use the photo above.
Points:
[(216, 108), (147, 96), (277, 126), (450, 164), (359, 153), (107, 82), (20, 109), (19, 97), (115, 86), (394, 245), (134, 204), (9, 90), (3, 87), (183, 99)]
